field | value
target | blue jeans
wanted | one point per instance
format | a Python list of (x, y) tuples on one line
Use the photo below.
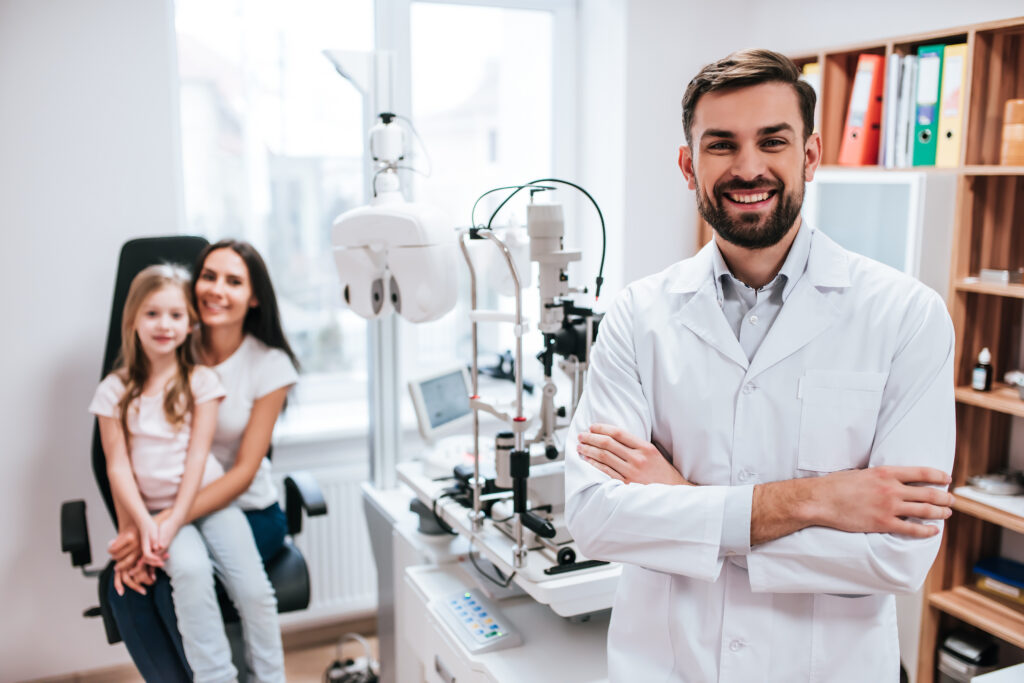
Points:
[(148, 624)]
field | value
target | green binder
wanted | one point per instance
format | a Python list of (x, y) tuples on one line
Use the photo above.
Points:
[(926, 109)]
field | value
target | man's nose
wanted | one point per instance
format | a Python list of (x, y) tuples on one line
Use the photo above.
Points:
[(748, 164)]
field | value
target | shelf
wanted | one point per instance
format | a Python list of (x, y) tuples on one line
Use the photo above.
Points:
[(1015, 291), (896, 169), (979, 610), (993, 170), (975, 508), (973, 170), (1003, 398)]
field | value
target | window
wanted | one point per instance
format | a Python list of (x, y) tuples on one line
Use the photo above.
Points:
[(272, 149), (484, 99), (272, 152)]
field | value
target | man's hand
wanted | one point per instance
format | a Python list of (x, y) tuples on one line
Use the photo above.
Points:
[(880, 499), (872, 500), (622, 456)]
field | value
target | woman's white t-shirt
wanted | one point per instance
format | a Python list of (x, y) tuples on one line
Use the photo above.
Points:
[(251, 372), (157, 449)]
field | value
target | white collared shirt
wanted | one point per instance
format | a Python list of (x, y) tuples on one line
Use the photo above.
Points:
[(749, 311)]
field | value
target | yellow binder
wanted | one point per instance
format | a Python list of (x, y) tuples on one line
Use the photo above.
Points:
[(951, 105), (812, 74)]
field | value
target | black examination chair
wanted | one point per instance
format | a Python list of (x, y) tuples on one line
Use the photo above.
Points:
[(287, 570)]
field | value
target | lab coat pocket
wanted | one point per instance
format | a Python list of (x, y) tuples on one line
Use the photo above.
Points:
[(839, 410)]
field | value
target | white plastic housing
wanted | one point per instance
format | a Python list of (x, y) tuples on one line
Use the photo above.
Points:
[(396, 255), (545, 225), (387, 140)]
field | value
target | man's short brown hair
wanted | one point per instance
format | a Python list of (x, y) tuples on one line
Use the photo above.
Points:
[(746, 68)]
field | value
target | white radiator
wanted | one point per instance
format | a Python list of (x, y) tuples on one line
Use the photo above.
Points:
[(336, 546)]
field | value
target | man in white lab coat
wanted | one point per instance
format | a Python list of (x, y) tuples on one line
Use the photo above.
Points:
[(803, 398)]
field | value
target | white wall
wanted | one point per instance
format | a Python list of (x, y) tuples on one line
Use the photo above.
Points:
[(668, 42), (87, 160), (601, 131)]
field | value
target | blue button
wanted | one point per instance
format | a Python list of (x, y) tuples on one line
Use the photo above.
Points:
[(494, 627), (483, 614)]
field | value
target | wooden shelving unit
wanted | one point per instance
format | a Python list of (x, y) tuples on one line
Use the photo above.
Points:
[(988, 233)]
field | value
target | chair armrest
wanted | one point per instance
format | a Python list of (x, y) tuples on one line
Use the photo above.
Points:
[(74, 533), (301, 492)]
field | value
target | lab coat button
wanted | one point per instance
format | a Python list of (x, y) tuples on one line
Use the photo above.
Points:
[(748, 388), (753, 320), (735, 646), (744, 475)]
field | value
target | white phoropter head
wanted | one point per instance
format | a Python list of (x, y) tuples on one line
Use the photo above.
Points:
[(395, 255)]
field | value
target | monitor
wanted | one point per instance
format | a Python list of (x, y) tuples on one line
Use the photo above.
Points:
[(441, 401)]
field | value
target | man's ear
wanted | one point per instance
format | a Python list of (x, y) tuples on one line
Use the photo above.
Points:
[(686, 166), (812, 156)]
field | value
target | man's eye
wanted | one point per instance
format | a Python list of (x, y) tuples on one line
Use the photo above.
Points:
[(774, 142)]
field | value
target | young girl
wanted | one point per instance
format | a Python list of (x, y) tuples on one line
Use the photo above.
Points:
[(157, 413)]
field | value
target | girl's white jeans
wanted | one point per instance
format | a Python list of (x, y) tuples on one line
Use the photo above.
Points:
[(222, 542)]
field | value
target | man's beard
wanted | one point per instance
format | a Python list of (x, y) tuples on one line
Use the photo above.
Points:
[(745, 230)]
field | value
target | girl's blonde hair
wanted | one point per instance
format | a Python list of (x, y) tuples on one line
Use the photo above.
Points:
[(132, 365)]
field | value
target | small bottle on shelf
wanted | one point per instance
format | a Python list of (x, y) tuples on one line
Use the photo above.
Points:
[(981, 377)]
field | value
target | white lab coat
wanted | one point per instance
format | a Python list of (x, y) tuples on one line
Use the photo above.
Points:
[(856, 371)]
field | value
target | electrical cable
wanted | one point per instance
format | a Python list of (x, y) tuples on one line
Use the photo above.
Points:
[(472, 213), (430, 163), (437, 518), (604, 233), (373, 181), (497, 582)]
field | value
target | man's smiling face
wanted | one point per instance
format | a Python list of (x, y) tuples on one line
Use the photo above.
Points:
[(749, 162)]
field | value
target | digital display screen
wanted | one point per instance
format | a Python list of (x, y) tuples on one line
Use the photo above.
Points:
[(445, 398)]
